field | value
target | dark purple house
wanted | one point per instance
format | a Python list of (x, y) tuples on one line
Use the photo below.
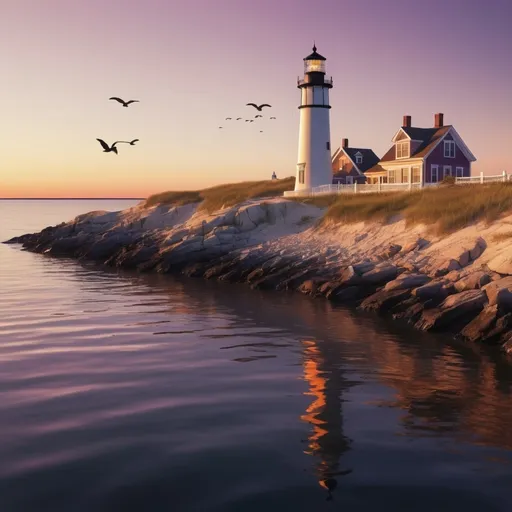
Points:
[(349, 164), (423, 155)]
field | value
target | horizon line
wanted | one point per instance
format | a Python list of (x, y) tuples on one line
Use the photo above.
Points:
[(64, 198)]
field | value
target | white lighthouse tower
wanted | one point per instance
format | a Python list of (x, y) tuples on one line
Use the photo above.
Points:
[(314, 159)]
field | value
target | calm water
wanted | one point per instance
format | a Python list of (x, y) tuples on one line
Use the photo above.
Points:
[(124, 392)]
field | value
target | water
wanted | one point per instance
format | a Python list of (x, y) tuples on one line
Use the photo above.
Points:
[(126, 392)]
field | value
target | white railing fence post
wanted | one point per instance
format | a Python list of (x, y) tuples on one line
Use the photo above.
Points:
[(379, 187), (504, 175), (481, 176), (355, 187)]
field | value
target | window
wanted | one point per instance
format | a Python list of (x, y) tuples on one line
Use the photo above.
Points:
[(434, 173), (349, 180), (391, 176), (416, 175), (359, 158), (405, 174), (449, 149), (402, 149), (459, 172), (447, 170), (301, 171), (328, 146)]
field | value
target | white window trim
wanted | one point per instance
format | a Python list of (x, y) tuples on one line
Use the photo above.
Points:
[(401, 143), (459, 172), (432, 168), (449, 143), (359, 158), (447, 168)]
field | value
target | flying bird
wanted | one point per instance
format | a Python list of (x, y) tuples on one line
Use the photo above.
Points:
[(247, 120), (256, 117), (272, 118), (258, 107), (107, 148), (261, 131), (124, 103), (220, 127), (228, 118), (238, 118), (131, 142), (251, 120)]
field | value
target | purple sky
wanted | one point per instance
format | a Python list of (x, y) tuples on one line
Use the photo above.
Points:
[(192, 63)]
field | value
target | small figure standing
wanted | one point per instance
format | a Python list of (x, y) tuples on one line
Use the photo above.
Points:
[(274, 176)]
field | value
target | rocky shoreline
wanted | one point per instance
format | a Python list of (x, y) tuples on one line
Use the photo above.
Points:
[(461, 284)]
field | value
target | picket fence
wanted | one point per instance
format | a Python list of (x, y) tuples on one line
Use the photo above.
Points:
[(367, 188)]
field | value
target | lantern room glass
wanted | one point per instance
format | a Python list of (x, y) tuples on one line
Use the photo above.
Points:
[(314, 66)]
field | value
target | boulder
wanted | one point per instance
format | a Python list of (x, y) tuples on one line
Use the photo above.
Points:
[(311, 286), (472, 281), (350, 277), (363, 267), (477, 250), (349, 294), (407, 281), (411, 313), (455, 309), (507, 345), (502, 263), (380, 276), (390, 251), (482, 323), (500, 292), (446, 267), (384, 300)]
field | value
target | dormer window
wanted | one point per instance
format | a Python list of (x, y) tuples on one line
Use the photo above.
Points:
[(402, 149), (449, 149), (359, 158)]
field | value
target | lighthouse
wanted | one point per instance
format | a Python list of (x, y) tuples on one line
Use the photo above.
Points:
[(314, 158)]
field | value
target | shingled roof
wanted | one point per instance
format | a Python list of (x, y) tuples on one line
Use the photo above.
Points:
[(429, 137)]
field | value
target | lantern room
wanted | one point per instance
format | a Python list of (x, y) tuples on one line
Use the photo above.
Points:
[(314, 63)]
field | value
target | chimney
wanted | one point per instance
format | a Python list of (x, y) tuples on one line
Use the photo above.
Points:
[(344, 143), (406, 122), (438, 120)]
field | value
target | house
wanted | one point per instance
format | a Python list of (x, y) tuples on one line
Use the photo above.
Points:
[(423, 155), (349, 164)]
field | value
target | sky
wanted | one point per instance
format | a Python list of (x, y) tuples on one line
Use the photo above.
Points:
[(191, 63)]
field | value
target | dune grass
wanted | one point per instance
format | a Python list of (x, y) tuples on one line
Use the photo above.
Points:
[(444, 209), (223, 196)]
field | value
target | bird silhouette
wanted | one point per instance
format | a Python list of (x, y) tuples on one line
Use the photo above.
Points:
[(261, 131), (228, 118), (247, 120), (258, 107), (131, 142), (256, 117), (124, 103), (272, 118), (220, 127), (107, 148), (251, 120), (238, 118)]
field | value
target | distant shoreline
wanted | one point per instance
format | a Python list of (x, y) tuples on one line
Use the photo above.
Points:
[(72, 198)]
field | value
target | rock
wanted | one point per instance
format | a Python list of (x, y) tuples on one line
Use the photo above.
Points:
[(464, 259), (431, 290), (507, 345), (348, 294), (500, 292), (478, 249), (446, 267), (311, 286), (418, 244), (380, 275), (350, 277), (472, 281), (476, 329), (502, 327), (452, 276), (363, 267), (327, 287), (407, 281), (502, 263), (384, 300), (412, 313), (390, 251), (454, 309)]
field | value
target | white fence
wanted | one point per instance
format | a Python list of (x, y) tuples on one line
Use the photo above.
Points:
[(367, 188)]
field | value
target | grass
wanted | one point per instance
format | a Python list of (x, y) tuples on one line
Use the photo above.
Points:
[(501, 237), (445, 209), (223, 196)]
